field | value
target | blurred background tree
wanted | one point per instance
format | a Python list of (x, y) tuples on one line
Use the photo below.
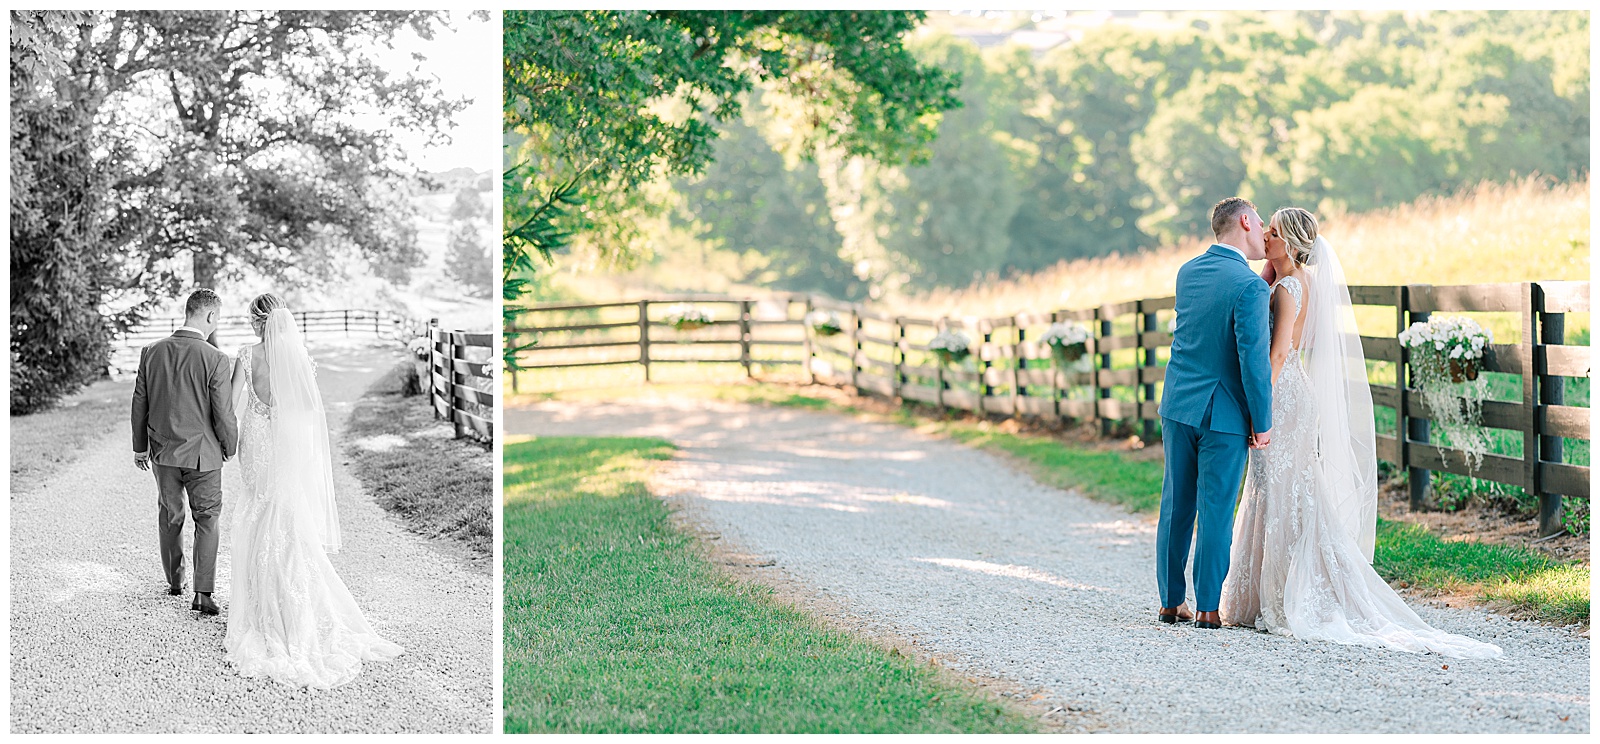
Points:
[(1114, 136), (468, 260)]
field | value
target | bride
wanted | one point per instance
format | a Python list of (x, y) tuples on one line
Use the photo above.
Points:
[(1304, 532), (292, 618)]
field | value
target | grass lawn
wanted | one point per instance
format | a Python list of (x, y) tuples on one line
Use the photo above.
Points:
[(1521, 580), (441, 487), (43, 443), (616, 622)]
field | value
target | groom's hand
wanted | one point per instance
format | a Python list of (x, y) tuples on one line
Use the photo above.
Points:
[(1260, 440), (141, 460)]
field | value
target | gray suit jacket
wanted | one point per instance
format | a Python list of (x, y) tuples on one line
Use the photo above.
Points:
[(182, 413)]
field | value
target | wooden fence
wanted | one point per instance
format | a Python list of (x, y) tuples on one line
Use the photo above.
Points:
[(313, 323), (747, 332), (1009, 373), (461, 380)]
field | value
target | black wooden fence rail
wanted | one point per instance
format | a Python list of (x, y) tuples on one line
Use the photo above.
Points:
[(1010, 373), (461, 380)]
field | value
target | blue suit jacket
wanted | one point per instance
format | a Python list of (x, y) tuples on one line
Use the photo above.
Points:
[(1220, 347)]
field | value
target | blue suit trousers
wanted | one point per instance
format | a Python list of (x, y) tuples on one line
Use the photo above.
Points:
[(1203, 475)]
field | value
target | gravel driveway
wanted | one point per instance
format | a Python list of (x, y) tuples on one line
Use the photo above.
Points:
[(98, 646), (996, 575)]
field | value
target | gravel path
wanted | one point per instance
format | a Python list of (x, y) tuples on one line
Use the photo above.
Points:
[(98, 646), (996, 575)]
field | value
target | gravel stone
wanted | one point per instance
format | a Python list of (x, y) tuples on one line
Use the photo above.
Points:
[(996, 575), (98, 646)]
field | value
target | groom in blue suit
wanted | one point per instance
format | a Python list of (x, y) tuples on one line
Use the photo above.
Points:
[(1215, 406)]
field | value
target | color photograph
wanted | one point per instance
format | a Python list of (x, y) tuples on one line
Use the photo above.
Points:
[(1110, 371)]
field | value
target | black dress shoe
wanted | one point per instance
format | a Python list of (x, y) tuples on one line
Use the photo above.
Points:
[(204, 605), (174, 590)]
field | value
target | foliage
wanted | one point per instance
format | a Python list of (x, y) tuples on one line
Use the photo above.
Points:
[(615, 621), (613, 99), (1122, 140), (177, 148), (468, 259)]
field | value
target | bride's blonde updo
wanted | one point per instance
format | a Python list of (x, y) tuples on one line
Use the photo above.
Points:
[(1298, 228), (261, 307)]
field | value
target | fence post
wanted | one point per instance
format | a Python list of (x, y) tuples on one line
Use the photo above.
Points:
[(855, 346), (1552, 392), (433, 364), (1017, 362), (744, 336), (899, 357), (985, 390), (1419, 480), (810, 349), (346, 322), (644, 337), (938, 367), (451, 353), (1147, 425), (1102, 386), (1552, 330)]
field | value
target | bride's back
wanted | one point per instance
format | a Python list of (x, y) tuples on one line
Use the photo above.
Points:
[(258, 374)]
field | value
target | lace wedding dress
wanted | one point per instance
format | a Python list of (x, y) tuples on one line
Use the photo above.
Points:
[(1297, 567), (291, 618)]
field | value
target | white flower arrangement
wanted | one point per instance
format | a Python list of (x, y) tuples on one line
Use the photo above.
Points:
[(1449, 339), (1445, 354), (824, 323), (950, 345), (1068, 342), (419, 347), (686, 317)]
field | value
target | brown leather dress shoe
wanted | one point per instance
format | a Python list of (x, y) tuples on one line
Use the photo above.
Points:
[(1171, 615), (1209, 620)]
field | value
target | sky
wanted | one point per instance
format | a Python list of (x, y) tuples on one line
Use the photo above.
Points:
[(467, 63)]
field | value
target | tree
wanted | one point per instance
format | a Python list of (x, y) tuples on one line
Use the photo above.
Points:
[(468, 259), (608, 100), (197, 143), (775, 217), (947, 222)]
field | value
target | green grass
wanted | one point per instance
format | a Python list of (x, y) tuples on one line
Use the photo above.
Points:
[(615, 622), (1520, 579), (440, 487)]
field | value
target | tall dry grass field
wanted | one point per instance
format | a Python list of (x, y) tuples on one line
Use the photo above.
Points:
[(1523, 231)]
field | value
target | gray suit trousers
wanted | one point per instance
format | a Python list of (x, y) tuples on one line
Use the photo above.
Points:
[(205, 502)]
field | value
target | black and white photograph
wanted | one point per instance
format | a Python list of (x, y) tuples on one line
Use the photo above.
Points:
[(252, 319)]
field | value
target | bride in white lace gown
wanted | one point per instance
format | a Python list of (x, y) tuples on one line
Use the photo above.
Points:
[(292, 618), (1303, 535)]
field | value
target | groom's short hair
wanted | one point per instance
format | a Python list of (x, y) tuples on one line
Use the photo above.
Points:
[(201, 300), (1226, 212)]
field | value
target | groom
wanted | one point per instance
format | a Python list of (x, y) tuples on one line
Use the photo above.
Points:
[(1217, 402), (183, 427)]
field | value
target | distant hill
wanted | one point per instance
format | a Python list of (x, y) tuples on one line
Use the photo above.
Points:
[(457, 179)]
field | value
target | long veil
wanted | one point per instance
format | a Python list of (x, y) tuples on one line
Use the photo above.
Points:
[(1337, 371), (302, 468)]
